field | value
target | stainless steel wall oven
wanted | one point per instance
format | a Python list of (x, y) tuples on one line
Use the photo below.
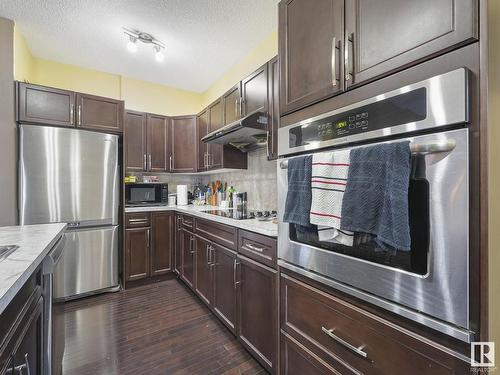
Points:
[(430, 283)]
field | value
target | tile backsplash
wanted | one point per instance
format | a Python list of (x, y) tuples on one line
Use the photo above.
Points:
[(259, 180)]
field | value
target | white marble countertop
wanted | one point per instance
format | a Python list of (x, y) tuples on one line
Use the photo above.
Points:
[(35, 242), (267, 228)]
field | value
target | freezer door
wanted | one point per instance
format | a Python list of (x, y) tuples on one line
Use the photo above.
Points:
[(67, 175), (89, 262)]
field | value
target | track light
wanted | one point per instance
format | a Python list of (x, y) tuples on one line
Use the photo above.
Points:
[(136, 35)]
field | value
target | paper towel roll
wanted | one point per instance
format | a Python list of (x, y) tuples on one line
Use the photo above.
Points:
[(182, 195)]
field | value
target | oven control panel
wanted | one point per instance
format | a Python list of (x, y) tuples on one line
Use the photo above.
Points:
[(400, 109)]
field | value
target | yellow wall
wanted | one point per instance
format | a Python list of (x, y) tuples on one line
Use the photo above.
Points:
[(138, 95), (264, 52)]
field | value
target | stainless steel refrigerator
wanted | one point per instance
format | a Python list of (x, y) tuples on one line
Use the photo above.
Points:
[(72, 176)]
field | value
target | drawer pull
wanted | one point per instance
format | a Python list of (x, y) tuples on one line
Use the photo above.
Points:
[(137, 220), (356, 350), (255, 248)]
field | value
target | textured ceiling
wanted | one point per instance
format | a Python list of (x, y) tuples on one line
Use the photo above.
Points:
[(203, 38)]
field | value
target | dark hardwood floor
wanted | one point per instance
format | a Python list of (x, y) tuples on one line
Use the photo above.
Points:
[(155, 329)]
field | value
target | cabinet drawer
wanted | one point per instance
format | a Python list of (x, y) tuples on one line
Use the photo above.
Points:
[(341, 333), (257, 247), (224, 235), (187, 222), (137, 220)]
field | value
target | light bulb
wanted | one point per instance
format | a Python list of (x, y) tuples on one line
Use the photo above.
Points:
[(131, 45), (158, 55)]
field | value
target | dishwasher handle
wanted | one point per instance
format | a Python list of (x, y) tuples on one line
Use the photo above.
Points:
[(51, 260)]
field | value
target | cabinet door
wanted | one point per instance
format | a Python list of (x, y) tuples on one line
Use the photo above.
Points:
[(27, 356), (202, 127), (99, 113), (310, 50), (134, 135), (274, 109), (162, 242), (203, 270), (231, 104), (157, 134), (224, 274), (178, 246), (188, 251), (258, 314), (215, 122), (45, 105), (254, 92), (137, 256), (183, 144), (377, 45)]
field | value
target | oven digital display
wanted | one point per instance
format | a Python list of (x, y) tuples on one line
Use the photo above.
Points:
[(397, 110)]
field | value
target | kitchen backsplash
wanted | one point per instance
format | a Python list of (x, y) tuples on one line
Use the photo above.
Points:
[(259, 181)]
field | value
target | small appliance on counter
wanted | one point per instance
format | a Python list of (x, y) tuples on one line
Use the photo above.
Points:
[(146, 194), (172, 199), (182, 195)]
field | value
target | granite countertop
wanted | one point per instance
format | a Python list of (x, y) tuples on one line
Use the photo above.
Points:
[(35, 242), (267, 228)]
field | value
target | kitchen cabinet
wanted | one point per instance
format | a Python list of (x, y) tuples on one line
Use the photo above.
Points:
[(188, 258), (99, 113), (310, 41), (274, 109), (328, 46), (203, 266), (157, 143), (215, 120), (162, 242), (224, 285), (149, 242), (45, 105), (137, 257), (202, 121), (416, 30), (231, 104), (254, 92), (146, 138), (257, 296), (134, 134), (183, 145), (178, 245), (351, 340)]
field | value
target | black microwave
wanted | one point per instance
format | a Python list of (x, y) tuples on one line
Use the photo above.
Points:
[(146, 194)]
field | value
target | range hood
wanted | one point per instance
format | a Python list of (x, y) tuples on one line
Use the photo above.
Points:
[(246, 134)]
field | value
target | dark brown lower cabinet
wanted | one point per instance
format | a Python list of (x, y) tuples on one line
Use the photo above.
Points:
[(162, 242), (203, 266), (188, 251), (137, 258), (257, 311), (178, 245), (224, 276)]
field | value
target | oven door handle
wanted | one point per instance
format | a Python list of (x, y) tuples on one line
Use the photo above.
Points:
[(433, 147)]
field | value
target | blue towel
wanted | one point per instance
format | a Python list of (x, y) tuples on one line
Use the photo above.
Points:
[(376, 195), (298, 198)]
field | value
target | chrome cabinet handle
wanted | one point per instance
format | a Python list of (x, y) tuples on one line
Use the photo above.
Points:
[(171, 163), (334, 61), (147, 239), (235, 272), (255, 248), (26, 365), (236, 107), (349, 52), (242, 103), (191, 247), (72, 114), (79, 114), (212, 256), (359, 351), (144, 164), (208, 160), (137, 220), (149, 159), (207, 254)]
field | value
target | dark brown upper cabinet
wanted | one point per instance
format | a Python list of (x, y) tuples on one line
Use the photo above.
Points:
[(310, 44), (417, 30), (231, 104), (254, 92), (99, 113), (274, 109), (134, 135), (202, 128), (45, 105), (215, 120), (328, 46), (183, 147), (157, 143), (162, 242)]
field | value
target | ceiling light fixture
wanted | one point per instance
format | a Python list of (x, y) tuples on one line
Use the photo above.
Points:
[(136, 35)]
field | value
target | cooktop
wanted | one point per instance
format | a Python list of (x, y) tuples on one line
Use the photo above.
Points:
[(242, 215)]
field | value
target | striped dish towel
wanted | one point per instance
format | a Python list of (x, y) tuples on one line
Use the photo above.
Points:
[(328, 183)]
